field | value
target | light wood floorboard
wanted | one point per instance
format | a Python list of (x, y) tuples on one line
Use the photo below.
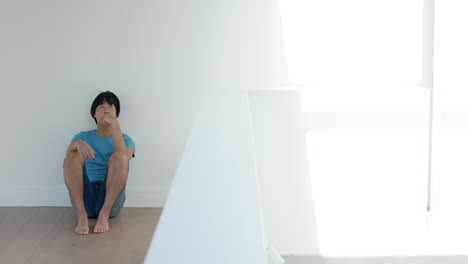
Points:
[(45, 235)]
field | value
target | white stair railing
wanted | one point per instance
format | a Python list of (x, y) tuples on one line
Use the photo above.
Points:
[(213, 214)]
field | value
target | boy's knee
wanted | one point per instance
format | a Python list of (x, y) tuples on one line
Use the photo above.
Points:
[(119, 159), (73, 156)]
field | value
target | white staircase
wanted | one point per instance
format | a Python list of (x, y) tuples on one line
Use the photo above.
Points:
[(213, 212)]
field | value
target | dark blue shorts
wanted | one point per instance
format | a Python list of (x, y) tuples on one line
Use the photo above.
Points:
[(94, 194)]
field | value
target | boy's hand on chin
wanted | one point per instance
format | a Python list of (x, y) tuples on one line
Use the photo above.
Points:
[(108, 119)]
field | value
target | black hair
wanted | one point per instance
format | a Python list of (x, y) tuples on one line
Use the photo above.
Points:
[(110, 98)]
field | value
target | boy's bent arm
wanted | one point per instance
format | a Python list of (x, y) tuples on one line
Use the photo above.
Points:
[(130, 152), (72, 147), (119, 143), (85, 150)]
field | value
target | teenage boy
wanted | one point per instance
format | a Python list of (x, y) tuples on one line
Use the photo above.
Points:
[(96, 166)]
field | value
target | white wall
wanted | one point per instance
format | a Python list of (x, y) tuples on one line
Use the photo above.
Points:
[(157, 56)]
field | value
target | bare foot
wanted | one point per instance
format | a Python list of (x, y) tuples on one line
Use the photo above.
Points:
[(102, 225), (82, 227)]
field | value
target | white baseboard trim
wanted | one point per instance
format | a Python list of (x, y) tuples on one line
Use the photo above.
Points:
[(58, 196)]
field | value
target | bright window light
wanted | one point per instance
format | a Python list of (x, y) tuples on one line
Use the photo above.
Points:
[(347, 98), (451, 54), (353, 60), (359, 68), (369, 191), (450, 64), (343, 42)]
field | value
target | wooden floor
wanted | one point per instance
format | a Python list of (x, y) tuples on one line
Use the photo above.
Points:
[(45, 235)]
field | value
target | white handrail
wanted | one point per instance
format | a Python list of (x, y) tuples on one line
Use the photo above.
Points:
[(213, 214)]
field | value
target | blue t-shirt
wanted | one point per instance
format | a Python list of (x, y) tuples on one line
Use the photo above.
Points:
[(104, 147)]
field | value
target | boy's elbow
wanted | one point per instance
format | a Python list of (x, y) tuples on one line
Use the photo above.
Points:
[(130, 152)]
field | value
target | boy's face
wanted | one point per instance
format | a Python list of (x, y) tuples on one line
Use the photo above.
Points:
[(102, 110)]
